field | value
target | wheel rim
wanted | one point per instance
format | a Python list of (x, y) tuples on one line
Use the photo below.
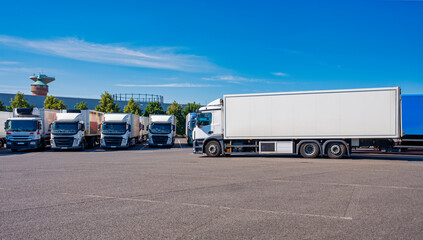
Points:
[(212, 149), (335, 149), (309, 149)]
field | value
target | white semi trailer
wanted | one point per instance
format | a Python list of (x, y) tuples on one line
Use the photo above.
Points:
[(325, 123), (29, 128), (3, 118), (162, 131), (120, 130), (76, 129)]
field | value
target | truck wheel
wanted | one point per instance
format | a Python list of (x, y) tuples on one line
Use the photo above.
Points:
[(83, 145), (309, 150), (336, 150), (213, 149)]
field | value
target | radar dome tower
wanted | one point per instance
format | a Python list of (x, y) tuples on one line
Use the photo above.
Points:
[(40, 87)]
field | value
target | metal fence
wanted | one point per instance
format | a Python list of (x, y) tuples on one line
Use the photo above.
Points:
[(138, 97)]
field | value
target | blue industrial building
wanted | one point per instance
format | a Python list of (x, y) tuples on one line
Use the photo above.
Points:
[(121, 99)]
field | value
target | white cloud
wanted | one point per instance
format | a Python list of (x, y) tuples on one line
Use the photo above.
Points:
[(8, 63), (20, 69), (280, 74), (231, 79), (172, 85), (73, 48)]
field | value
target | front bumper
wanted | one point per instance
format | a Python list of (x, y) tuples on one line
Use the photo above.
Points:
[(23, 144), (197, 146)]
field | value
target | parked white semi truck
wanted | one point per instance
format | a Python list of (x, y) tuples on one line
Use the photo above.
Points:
[(29, 128), (3, 118), (76, 129), (310, 124), (120, 130), (144, 124), (162, 131)]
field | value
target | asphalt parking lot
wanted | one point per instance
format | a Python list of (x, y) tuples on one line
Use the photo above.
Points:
[(174, 194)]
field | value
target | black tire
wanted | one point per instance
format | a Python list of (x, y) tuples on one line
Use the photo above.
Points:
[(336, 150), (42, 145), (309, 150), (83, 145), (14, 150), (213, 149)]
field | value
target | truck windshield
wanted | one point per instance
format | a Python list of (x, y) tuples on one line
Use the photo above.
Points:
[(116, 128), (69, 127), (21, 125), (204, 119), (160, 128)]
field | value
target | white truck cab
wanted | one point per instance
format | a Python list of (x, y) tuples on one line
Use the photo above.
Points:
[(29, 128), (120, 130), (208, 123), (76, 129), (162, 130)]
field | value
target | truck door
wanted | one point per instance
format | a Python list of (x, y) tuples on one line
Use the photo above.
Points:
[(203, 126)]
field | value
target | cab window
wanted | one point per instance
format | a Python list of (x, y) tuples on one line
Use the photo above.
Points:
[(204, 119)]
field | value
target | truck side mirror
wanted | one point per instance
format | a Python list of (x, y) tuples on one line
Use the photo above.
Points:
[(129, 127), (99, 127), (49, 126), (39, 125), (5, 124), (82, 127)]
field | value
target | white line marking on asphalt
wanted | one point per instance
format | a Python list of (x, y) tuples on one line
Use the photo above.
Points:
[(349, 184), (211, 206), (179, 143)]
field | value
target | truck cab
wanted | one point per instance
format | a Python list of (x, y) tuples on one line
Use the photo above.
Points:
[(68, 132), (29, 128), (119, 130), (209, 123), (190, 122), (162, 131)]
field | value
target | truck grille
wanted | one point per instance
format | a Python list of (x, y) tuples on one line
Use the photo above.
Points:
[(160, 139), (113, 141), (64, 142)]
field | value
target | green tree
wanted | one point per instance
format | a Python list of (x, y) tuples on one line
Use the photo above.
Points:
[(19, 102), (153, 108), (132, 107), (54, 103), (191, 108), (81, 105), (2, 107), (107, 104), (176, 110)]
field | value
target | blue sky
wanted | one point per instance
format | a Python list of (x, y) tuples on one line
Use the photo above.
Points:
[(200, 50)]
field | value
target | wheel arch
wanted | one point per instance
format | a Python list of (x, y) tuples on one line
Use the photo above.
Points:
[(218, 138), (334, 140), (298, 145)]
